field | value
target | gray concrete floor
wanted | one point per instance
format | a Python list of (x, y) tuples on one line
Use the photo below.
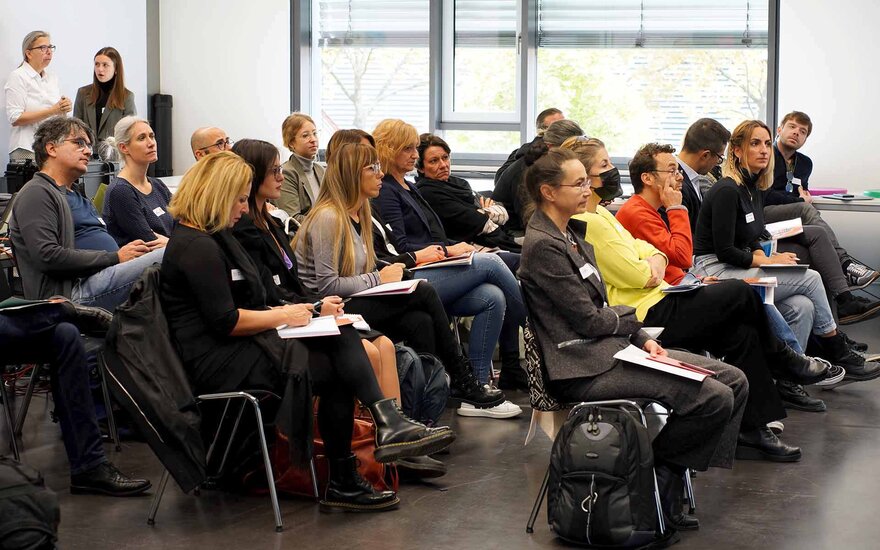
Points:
[(825, 501)]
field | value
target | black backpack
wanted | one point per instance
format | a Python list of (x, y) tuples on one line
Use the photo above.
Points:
[(601, 480), (29, 512), (424, 386)]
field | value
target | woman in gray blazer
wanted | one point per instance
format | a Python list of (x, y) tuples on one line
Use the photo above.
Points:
[(579, 334), (106, 100), (302, 174)]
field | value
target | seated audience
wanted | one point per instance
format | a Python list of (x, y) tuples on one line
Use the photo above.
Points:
[(49, 334), (61, 246), (727, 243), (205, 141), (136, 205), (302, 175), (485, 289), (465, 215), (106, 101), (335, 256), (726, 319), (578, 334), (543, 121), (508, 186), (789, 196), (215, 304), (656, 188)]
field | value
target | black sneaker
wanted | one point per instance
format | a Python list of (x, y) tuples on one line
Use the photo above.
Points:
[(859, 275), (860, 347), (794, 396), (856, 309), (467, 390)]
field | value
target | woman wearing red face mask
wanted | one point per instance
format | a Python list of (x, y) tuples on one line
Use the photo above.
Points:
[(104, 102)]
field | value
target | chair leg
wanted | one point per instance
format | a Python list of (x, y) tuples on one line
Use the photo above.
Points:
[(7, 406), (658, 503), (157, 498), (689, 488), (217, 433), (533, 424), (25, 404), (270, 478), (314, 479), (108, 405), (530, 525), (222, 467)]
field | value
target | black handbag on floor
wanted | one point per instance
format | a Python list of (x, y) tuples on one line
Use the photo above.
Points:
[(29, 512)]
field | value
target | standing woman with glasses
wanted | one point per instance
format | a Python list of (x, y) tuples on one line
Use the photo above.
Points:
[(32, 94), (302, 175), (106, 100)]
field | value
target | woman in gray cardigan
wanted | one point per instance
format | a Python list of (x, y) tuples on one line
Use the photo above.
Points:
[(579, 334), (106, 100), (302, 174)]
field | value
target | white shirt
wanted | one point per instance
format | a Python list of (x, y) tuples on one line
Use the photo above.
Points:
[(26, 90), (694, 177)]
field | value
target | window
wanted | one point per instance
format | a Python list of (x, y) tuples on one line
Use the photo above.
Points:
[(370, 63), (631, 72)]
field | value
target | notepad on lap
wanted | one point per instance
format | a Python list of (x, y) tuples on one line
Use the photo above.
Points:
[(632, 354), (318, 326), (389, 289)]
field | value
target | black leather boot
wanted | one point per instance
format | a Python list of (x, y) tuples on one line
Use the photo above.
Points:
[(106, 479), (94, 321), (836, 350), (347, 491), (398, 436), (762, 444), (671, 487), (513, 376), (786, 364), (794, 396), (466, 388)]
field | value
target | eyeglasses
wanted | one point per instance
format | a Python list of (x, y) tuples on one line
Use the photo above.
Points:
[(376, 168), (583, 185), (720, 157), (307, 135), (672, 171), (81, 144), (222, 144), (276, 170), (44, 48)]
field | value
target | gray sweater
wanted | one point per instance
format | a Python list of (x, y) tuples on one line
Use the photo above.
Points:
[(319, 271), (41, 232)]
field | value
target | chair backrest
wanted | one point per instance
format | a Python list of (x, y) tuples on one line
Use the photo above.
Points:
[(539, 398), (98, 199)]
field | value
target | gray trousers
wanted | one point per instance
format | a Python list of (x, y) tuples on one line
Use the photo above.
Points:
[(703, 426), (815, 249), (809, 215)]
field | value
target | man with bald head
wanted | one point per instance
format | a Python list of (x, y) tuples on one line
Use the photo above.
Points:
[(205, 141)]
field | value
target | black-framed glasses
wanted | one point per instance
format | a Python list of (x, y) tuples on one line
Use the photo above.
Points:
[(45, 48), (222, 144), (376, 167), (81, 144), (720, 157), (672, 171)]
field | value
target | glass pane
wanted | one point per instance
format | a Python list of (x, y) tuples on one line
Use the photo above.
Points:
[(485, 56), (362, 85), (467, 141), (628, 97)]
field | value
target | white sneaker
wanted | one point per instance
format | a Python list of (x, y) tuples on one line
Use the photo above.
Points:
[(776, 426), (504, 410)]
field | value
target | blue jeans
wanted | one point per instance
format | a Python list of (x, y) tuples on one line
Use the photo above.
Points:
[(800, 296), (781, 329), (486, 290), (41, 335), (109, 287)]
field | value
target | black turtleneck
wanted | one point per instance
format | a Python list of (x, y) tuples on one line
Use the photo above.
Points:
[(104, 88), (731, 222)]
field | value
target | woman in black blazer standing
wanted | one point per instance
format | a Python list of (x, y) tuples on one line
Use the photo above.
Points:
[(579, 335), (106, 100)]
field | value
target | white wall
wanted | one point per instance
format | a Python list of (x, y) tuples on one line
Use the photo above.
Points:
[(79, 28), (227, 64), (827, 68)]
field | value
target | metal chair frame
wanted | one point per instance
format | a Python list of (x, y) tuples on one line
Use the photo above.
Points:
[(246, 397), (7, 407)]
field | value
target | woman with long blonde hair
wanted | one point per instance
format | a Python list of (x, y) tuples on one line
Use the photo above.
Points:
[(215, 304)]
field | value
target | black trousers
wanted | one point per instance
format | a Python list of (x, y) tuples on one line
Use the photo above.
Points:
[(728, 320), (41, 335), (417, 319), (339, 370)]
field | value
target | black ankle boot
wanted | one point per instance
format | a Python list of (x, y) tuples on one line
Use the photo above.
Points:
[(671, 487), (398, 436), (837, 351), (513, 376), (762, 444), (786, 364), (347, 491), (466, 388)]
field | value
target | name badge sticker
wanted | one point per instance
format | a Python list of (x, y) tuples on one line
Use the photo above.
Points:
[(750, 217), (587, 269), (236, 275), (102, 221), (158, 211), (277, 279)]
